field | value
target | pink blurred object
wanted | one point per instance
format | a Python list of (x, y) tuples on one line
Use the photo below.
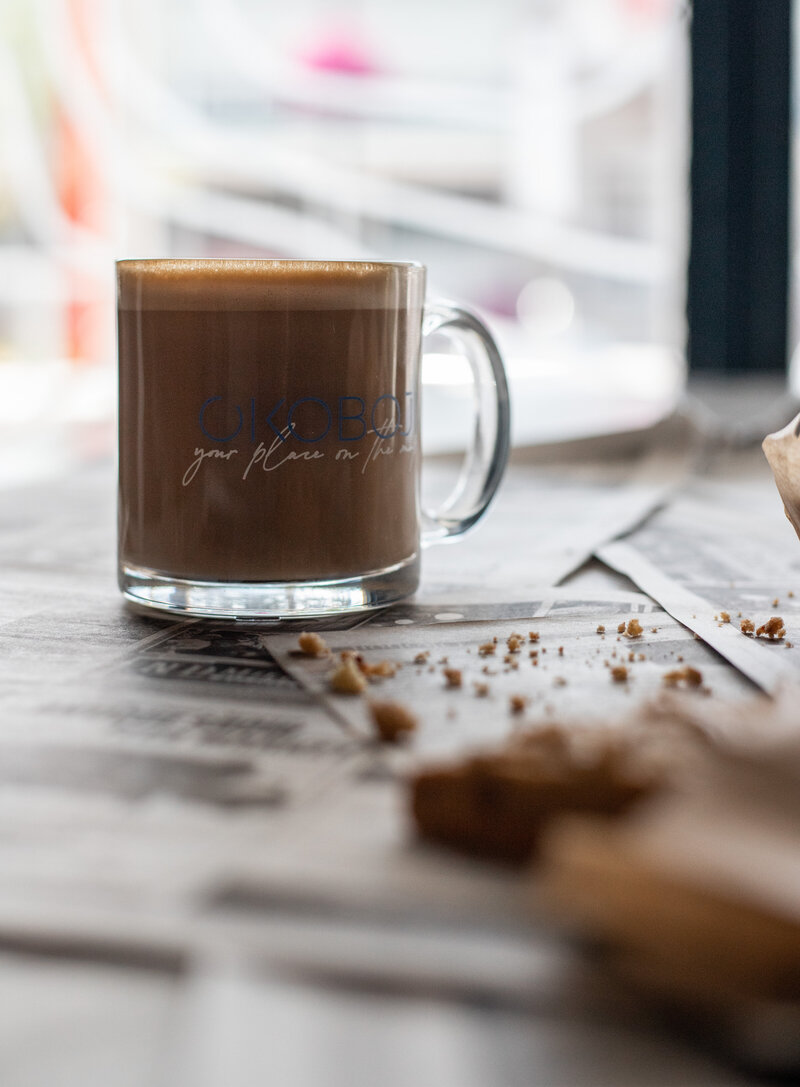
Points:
[(339, 50)]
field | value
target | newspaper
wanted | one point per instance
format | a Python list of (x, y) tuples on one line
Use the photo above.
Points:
[(172, 788), (562, 668), (204, 782), (246, 1025), (547, 520), (723, 546), (200, 777)]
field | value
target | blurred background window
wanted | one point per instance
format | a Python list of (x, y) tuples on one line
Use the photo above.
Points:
[(532, 153)]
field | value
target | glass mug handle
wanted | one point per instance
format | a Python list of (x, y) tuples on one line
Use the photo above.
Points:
[(485, 460)]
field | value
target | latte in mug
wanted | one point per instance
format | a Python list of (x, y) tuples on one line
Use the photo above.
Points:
[(269, 434)]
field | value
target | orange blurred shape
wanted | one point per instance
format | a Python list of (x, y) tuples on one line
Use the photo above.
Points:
[(85, 201)]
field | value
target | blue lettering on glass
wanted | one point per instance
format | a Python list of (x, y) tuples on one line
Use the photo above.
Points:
[(351, 425), (383, 433), (214, 437), (276, 431), (409, 415), (359, 416), (290, 419)]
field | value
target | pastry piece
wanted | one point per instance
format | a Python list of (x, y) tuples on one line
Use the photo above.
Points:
[(393, 721), (495, 803), (700, 896), (782, 450), (686, 676), (694, 898), (312, 645), (348, 677)]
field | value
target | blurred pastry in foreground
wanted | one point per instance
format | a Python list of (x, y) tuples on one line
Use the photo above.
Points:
[(495, 803), (695, 897)]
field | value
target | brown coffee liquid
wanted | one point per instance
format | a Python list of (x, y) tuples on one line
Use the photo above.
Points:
[(269, 426)]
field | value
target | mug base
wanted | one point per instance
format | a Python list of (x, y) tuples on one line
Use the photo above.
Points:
[(272, 602)]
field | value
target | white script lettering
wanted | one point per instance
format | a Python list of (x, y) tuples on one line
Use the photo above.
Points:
[(200, 456)]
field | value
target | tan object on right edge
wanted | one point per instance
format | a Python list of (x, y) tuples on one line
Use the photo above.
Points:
[(695, 899), (782, 450)]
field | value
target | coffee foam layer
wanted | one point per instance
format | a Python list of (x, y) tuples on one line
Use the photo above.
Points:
[(219, 284)]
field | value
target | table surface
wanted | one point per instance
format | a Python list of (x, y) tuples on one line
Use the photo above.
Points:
[(120, 966)]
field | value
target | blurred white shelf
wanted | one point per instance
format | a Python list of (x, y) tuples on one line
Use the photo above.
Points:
[(620, 388)]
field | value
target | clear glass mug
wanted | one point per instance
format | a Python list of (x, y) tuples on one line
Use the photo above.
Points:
[(269, 434)]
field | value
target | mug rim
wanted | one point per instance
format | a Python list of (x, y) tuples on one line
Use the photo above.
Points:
[(281, 261)]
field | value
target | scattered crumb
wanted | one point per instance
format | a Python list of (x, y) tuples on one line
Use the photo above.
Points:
[(514, 641), (444, 660), (621, 628), (392, 720), (381, 670), (773, 628), (688, 676), (453, 677), (631, 656), (544, 649), (487, 649), (790, 595), (533, 635), (517, 703), (561, 651), (487, 671), (789, 645), (312, 645), (680, 658), (559, 681), (654, 630), (775, 602), (641, 657), (634, 629), (619, 673), (725, 617), (747, 626), (601, 629), (481, 690), (348, 678), (422, 658)]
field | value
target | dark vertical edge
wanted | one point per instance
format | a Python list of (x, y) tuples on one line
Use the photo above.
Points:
[(707, 275), (770, 251), (738, 277)]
